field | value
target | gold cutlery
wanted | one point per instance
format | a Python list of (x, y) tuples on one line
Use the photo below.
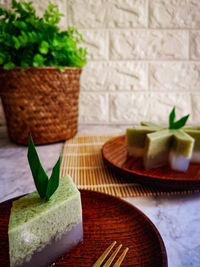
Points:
[(112, 257)]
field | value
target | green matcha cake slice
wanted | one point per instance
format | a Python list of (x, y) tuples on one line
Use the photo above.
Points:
[(135, 139), (157, 147), (168, 146), (181, 150), (40, 230)]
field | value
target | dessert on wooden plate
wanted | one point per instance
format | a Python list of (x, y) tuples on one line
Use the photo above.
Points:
[(44, 225), (157, 145)]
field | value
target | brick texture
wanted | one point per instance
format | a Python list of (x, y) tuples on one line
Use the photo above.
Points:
[(129, 107), (143, 58), (174, 76), (93, 107), (151, 44), (174, 14), (114, 76), (195, 45)]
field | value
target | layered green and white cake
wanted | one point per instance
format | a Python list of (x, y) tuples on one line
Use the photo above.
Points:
[(135, 139), (159, 145), (43, 228), (40, 230)]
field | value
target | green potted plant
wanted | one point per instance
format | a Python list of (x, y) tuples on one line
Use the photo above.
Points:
[(40, 68)]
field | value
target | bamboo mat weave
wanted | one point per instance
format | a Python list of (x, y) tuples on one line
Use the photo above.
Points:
[(81, 158)]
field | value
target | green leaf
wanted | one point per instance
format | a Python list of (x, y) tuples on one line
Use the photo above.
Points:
[(45, 186), (38, 60), (32, 36), (2, 11), (24, 35), (17, 42), (15, 4), (20, 24), (55, 42), (171, 118), (44, 48), (39, 175), (178, 124), (9, 66), (54, 180)]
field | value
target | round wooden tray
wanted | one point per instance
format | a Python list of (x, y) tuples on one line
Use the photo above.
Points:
[(115, 155), (105, 219)]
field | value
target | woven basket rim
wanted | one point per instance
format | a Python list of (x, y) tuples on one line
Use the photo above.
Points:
[(42, 68)]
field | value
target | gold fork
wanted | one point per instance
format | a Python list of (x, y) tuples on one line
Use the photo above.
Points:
[(112, 257)]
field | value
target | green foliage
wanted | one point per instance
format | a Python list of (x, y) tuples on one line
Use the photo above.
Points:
[(176, 124), (27, 40), (45, 186)]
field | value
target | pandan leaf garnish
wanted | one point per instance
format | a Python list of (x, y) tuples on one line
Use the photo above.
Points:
[(45, 186), (176, 124)]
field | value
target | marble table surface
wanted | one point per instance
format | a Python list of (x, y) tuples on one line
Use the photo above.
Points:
[(177, 218)]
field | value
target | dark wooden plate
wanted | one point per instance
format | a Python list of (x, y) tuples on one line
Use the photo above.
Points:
[(115, 155), (105, 219)]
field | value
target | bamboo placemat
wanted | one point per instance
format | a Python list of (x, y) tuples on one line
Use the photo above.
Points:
[(82, 159)]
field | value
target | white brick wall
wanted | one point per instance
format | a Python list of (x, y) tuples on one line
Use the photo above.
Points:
[(143, 58)]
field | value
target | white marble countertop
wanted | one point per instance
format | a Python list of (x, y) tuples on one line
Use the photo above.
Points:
[(177, 218)]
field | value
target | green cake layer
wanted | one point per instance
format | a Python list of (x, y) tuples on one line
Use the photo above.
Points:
[(139, 133), (159, 144), (194, 132), (34, 222), (135, 139), (182, 143), (157, 147)]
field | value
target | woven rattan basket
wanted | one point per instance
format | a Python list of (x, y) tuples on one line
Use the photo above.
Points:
[(42, 102)]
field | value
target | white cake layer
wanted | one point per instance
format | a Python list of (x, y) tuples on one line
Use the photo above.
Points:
[(195, 157), (134, 151), (178, 162), (55, 248)]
